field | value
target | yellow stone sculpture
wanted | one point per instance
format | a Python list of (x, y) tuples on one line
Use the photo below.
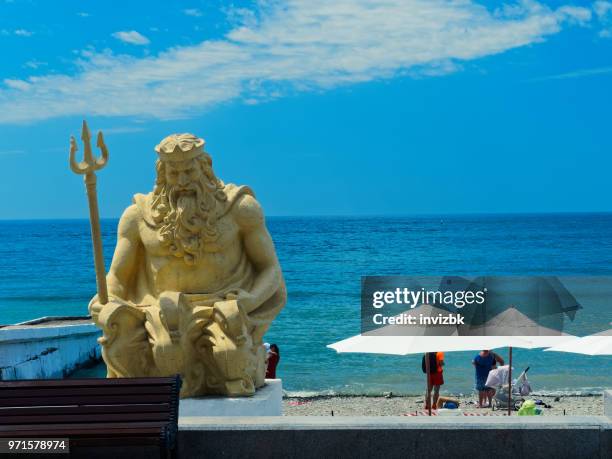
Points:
[(194, 282)]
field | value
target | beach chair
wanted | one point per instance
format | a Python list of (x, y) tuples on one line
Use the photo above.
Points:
[(520, 388)]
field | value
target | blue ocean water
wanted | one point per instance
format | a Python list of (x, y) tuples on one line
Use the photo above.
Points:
[(46, 268)]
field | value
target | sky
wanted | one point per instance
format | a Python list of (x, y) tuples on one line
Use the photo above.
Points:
[(351, 107)]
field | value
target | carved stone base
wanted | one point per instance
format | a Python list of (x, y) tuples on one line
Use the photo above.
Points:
[(267, 401)]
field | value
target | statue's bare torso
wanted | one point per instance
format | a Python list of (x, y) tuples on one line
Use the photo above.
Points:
[(216, 264), (242, 239)]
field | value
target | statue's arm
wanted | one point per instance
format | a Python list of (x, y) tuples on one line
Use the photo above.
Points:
[(260, 251), (126, 253)]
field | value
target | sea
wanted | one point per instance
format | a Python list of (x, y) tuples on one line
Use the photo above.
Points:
[(46, 269)]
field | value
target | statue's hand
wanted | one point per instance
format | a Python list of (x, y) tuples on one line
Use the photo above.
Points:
[(116, 318), (246, 301), (232, 319), (95, 307)]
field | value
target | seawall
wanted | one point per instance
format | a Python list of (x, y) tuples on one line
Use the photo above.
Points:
[(50, 347), (397, 437)]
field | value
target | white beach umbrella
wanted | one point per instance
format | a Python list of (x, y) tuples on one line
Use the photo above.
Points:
[(597, 344), (510, 328), (417, 339), (405, 345)]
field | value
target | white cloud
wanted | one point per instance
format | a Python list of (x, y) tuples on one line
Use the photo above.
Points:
[(577, 74), (576, 14), (603, 11), (20, 85), (23, 33), (34, 64), (123, 129), (192, 12), (83, 14), (296, 45), (132, 37)]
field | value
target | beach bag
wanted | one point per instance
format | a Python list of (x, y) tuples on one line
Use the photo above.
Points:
[(528, 408), (433, 363)]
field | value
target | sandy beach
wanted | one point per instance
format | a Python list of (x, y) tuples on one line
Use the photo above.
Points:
[(403, 405)]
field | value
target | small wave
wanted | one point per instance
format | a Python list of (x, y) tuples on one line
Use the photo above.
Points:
[(585, 392), (309, 393)]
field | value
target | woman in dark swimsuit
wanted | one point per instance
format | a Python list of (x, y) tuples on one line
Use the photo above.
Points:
[(273, 359)]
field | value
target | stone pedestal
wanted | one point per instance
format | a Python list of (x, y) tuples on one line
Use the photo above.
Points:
[(267, 401)]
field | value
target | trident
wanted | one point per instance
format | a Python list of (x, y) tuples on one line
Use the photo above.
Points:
[(87, 167)]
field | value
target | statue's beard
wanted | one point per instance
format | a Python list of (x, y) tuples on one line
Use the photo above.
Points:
[(186, 219)]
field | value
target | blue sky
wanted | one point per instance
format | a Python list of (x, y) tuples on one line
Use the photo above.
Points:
[(325, 108)]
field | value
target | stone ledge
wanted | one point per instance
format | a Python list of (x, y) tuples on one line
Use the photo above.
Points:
[(25, 333), (392, 422), (267, 401)]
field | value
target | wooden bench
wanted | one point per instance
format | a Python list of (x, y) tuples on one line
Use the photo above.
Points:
[(93, 412)]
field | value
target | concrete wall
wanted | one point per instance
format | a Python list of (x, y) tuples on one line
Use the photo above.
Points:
[(46, 350), (393, 437)]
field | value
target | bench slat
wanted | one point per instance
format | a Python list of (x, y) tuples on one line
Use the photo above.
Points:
[(85, 417), (95, 382), (76, 433), (93, 400), (129, 441), (45, 392), (105, 440), (93, 426), (88, 409)]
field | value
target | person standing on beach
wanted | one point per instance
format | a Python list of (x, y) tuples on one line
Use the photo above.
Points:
[(273, 359), (436, 378), (483, 362)]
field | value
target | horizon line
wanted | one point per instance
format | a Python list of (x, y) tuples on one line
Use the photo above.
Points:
[(416, 214)]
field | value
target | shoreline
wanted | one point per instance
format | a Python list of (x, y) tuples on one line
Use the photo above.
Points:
[(405, 405), (331, 393)]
